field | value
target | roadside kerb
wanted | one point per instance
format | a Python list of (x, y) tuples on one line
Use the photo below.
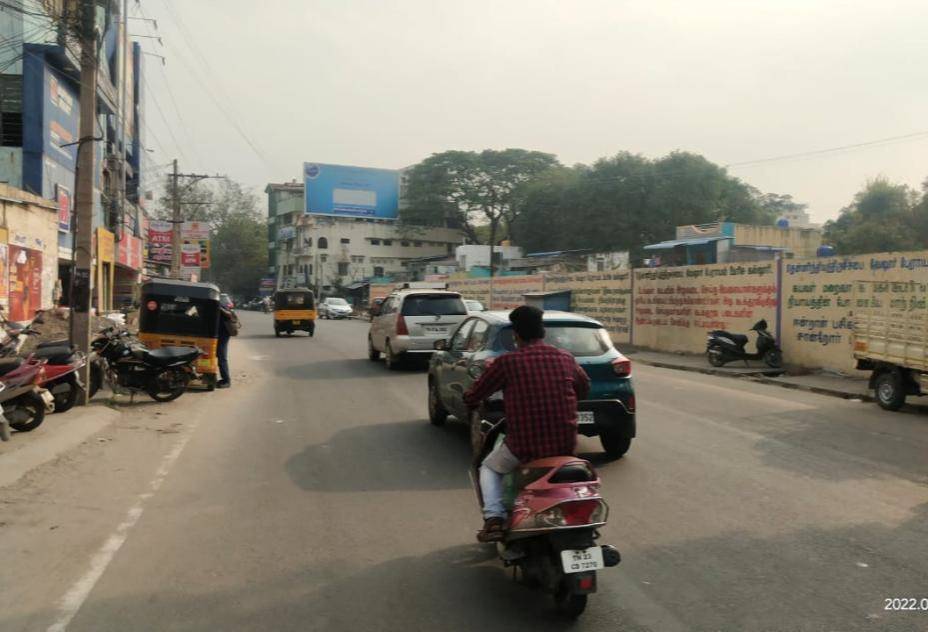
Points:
[(760, 376)]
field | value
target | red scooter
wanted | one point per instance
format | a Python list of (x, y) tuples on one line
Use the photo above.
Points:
[(555, 512), (23, 400)]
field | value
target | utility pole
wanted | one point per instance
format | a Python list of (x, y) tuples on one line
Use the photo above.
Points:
[(83, 247), (177, 219)]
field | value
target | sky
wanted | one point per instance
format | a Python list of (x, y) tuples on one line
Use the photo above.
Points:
[(255, 89)]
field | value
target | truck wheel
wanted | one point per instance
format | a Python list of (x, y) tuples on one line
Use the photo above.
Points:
[(890, 390)]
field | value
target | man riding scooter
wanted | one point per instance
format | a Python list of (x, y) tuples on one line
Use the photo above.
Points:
[(541, 385)]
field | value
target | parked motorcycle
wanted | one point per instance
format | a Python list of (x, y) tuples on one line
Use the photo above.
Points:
[(24, 402), (62, 372), (128, 366), (723, 347), (556, 511)]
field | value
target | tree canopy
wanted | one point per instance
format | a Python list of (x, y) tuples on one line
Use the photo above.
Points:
[(627, 201), (882, 217), (466, 189)]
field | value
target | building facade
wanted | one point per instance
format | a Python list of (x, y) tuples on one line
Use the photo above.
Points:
[(328, 252)]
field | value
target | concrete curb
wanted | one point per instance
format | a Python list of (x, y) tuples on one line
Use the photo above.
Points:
[(57, 435), (759, 378)]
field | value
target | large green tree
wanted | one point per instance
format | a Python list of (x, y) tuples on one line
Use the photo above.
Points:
[(883, 216), (627, 201), (466, 190)]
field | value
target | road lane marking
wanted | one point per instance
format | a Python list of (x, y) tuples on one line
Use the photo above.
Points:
[(71, 602)]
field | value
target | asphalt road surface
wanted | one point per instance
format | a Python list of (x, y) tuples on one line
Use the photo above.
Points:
[(314, 495)]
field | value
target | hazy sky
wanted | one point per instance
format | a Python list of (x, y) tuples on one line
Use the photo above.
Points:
[(386, 83)]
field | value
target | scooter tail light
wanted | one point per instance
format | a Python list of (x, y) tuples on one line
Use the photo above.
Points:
[(574, 513), (401, 328), (622, 366)]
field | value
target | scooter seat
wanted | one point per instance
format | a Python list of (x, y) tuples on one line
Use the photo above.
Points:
[(54, 343), (55, 355), (8, 364), (170, 355), (738, 339)]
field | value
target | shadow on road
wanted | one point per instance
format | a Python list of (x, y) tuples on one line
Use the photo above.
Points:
[(348, 369), (461, 588), (405, 456)]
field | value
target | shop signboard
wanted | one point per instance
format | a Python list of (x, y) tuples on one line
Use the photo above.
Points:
[(194, 231), (190, 255), (160, 235), (64, 208), (4, 274)]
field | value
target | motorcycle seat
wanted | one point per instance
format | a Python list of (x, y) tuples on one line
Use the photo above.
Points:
[(54, 343), (55, 355), (8, 364), (739, 339), (170, 355)]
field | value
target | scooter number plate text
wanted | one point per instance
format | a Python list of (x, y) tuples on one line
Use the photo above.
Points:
[(581, 560)]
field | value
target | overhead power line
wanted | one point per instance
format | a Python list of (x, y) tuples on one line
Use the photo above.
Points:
[(831, 150)]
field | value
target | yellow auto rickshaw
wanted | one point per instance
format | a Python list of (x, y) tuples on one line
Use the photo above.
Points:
[(294, 310), (182, 313)]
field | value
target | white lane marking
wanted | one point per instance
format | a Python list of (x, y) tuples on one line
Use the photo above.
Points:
[(72, 600)]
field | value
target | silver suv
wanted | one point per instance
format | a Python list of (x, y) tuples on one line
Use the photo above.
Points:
[(410, 321)]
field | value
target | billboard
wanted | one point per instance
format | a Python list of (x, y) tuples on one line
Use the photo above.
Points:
[(351, 191)]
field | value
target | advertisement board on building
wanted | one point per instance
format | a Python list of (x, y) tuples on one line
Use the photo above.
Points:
[(190, 255), (351, 191), (194, 231), (160, 234), (63, 195), (4, 274), (25, 282)]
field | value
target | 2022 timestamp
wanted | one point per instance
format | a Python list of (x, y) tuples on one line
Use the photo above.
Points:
[(906, 604)]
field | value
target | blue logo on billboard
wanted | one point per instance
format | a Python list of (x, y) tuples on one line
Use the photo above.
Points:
[(312, 171)]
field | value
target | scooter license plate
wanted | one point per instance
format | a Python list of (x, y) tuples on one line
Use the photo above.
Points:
[(586, 417), (581, 560)]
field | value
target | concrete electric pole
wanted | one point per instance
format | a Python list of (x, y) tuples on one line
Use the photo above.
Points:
[(177, 219), (81, 298)]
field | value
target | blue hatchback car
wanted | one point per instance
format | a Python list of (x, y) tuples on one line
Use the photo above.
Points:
[(609, 411)]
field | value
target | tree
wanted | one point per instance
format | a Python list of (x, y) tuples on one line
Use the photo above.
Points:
[(465, 189), (627, 201), (882, 217)]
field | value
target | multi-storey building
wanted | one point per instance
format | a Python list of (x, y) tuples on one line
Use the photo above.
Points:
[(324, 251)]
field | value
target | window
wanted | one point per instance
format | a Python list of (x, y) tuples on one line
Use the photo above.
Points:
[(378, 271), (417, 244), (345, 240), (375, 242), (434, 305), (459, 340), (11, 110), (579, 340), (478, 336), (357, 259), (322, 243), (404, 244), (387, 242), (323, 258), (308, 242), (342, 268), (309, 270)]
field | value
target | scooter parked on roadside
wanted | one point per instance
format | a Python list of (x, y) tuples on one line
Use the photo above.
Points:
[(23, 400), (128, 366), (723, 347), (556, 511)]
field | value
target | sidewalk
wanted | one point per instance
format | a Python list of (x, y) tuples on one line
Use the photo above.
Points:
[(822, 382), (57, 434)]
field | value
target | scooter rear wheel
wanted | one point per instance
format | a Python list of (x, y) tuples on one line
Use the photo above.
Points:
[(569, 604), (773, 359), (65, 393), (715, 356)]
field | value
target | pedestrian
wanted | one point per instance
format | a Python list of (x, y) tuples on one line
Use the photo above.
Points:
[(229, 326)]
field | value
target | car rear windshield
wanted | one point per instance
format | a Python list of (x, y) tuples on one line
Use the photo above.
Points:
[(433, 305), (581, 341), (337, 301)]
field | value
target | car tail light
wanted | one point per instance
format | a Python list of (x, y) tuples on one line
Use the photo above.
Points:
[(401, 329), (631, 403), (622, 366), (574, 513)]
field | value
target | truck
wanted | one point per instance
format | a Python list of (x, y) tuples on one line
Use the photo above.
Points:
[(890, 338)]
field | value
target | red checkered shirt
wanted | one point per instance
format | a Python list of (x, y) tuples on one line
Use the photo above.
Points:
[(541, 385)]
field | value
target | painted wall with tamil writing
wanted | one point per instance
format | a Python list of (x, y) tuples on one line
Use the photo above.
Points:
[(818, 302), (605, 296), (675, 307)]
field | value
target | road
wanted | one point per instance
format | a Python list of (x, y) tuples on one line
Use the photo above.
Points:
[(314, 495)]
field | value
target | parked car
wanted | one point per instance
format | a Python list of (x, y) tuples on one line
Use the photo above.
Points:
[(609, 410), (410, 321), (474, 306), (334, 307)]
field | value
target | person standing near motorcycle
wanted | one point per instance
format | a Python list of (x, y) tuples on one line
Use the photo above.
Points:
[(541, 385), (229, 326)]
